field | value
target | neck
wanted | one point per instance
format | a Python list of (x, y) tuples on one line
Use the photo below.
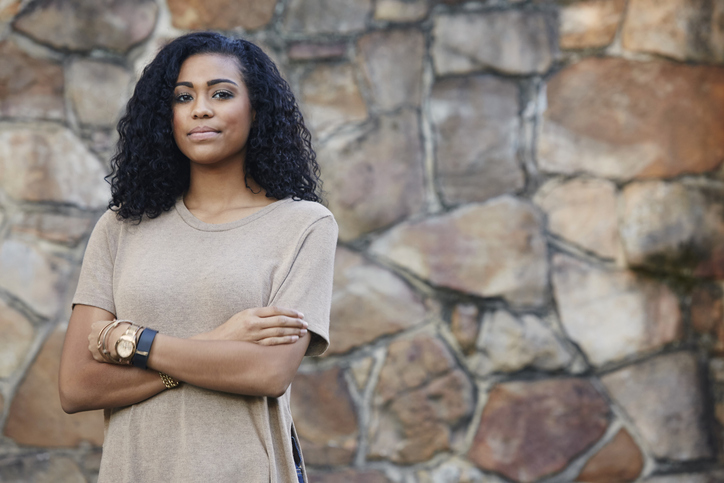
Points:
[(216, 188)]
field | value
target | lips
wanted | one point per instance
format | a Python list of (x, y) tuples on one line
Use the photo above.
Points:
[(203, 132)]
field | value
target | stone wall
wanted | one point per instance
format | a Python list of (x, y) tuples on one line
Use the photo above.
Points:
[(529, 194)]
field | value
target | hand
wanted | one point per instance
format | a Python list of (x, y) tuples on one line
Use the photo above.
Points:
[(261, 325), (111, 339)]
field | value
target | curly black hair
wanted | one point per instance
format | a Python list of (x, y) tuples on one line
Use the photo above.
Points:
[(149, 171)]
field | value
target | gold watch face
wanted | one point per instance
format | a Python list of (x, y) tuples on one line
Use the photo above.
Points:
[(125, 348)]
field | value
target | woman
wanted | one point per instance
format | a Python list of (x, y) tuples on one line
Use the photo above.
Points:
[(216, 241)]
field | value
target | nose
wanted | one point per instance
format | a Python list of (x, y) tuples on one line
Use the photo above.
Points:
[(202, 109)]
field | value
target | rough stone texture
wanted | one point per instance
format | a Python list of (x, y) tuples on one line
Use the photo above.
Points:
[(420, 399), (465, 326), (674, 227), (41, 468), (36, 277), (663, 397), (310, 50), (16, 335), (681, 29), (326, 16), (324, 417), (35, 416), (98, 91), (29, 87), (716, 376), (495, 249), (620, 460), (508, 343), (591, 23), (68, 230), (653, 119), (468, 42), (84, 25), (367, 303), (711, 477), (707, 314), (401, 10), (348, 476), (361, 371), (220, 14), (612, 314), (456, 470), (377, 174), (532, 429), (392, 64), (49, 163), (476, 132), (583, 211), (331, 98)]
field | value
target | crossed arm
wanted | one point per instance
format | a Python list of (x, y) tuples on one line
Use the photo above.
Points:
[(256, 353)]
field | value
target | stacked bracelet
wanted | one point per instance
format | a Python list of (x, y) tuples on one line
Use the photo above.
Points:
[(168, 381)]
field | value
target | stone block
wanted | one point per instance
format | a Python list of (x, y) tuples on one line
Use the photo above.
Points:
[(583, 211), (313, 50), (620, 460), (612, 314), (324, 417), (360, 370), (591, 23), (40, 468), (391, 61), (465, 326), (420, 400), (98, 91), (475, 121), (378, 174), (326, 16), (347, 476), (29, 87), (663, 398), (710, 477), (220, 14), (36, 418), (367, 303), (456, 470), (16, 335), (493, 249), (707, 315), (674, 227), (469, 42), (401, 10), (535, 428), (508, 344), (84, 25), (653, 119), (68, 230), (48, 163)]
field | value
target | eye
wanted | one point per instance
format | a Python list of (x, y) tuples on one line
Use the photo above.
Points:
[(181, 98), (222, 95)]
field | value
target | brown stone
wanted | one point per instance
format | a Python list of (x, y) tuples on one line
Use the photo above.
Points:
[(49, 163), (420, 400), (16, 335), (532, 429), (347, 476), (591, 23), (40, 468), (468, 42), (68, 230), (220, 14), (326, 16), (508, 344), (391, 61), (676, 227), (653, 119), (36, 418), (612, 314), (29, 87), (331, 98), (493, 249), (9, 9), (311, 50), (663, 398), (680, 29), (360, 371), (98, 91), (475, 123), (367, 303), (465, 326), (401, 10), (707, 314), (378, 174), (583, 211), (324, 417), (83, 25), (620, 460)]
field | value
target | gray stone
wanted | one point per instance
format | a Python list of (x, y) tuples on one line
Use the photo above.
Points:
[(326, 16), (98, 91), (377, 174), (456, 470), (494, 249), (16, 335), (468, 42), (40, 468), (314, 50), (663, 397), (612, 314), (68, 230), (476, 132)]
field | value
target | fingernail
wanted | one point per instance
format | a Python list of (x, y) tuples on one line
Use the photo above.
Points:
[(303, 331), (305, 324), (294, 338), (301, 315)]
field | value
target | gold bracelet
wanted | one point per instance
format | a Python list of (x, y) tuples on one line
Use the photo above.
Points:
[(168, 381)]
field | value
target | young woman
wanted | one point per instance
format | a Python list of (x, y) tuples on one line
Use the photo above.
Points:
[(209, 278)]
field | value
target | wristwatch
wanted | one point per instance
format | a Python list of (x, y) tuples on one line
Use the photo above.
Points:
[(145, 340), (126, 344)]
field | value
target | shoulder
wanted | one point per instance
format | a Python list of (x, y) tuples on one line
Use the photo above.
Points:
[(304, 213)]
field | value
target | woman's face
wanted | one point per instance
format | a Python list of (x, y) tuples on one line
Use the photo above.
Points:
[(212, 113)]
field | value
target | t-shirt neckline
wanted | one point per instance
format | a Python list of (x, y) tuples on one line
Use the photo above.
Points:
[(197, 224)]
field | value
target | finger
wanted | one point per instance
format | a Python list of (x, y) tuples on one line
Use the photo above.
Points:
[(274, 311), (281, 332), (290, 339), (278, 321)]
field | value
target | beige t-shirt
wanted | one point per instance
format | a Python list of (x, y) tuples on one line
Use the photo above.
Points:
[(181, 276)]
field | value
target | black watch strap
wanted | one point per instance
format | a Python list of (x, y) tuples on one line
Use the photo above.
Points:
[(143, 348)]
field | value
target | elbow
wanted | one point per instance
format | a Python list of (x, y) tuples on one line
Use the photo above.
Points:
[(278, 384), (69, 404)]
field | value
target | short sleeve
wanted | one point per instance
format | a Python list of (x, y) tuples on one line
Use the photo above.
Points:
[(95, 284), (308, 285)]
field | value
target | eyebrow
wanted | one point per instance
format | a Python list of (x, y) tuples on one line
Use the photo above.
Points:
[(210, 83)]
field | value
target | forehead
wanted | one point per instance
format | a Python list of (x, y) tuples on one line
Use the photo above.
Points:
[(204, 67)]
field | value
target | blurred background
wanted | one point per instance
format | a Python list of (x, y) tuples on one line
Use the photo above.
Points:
[(529, 196)]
